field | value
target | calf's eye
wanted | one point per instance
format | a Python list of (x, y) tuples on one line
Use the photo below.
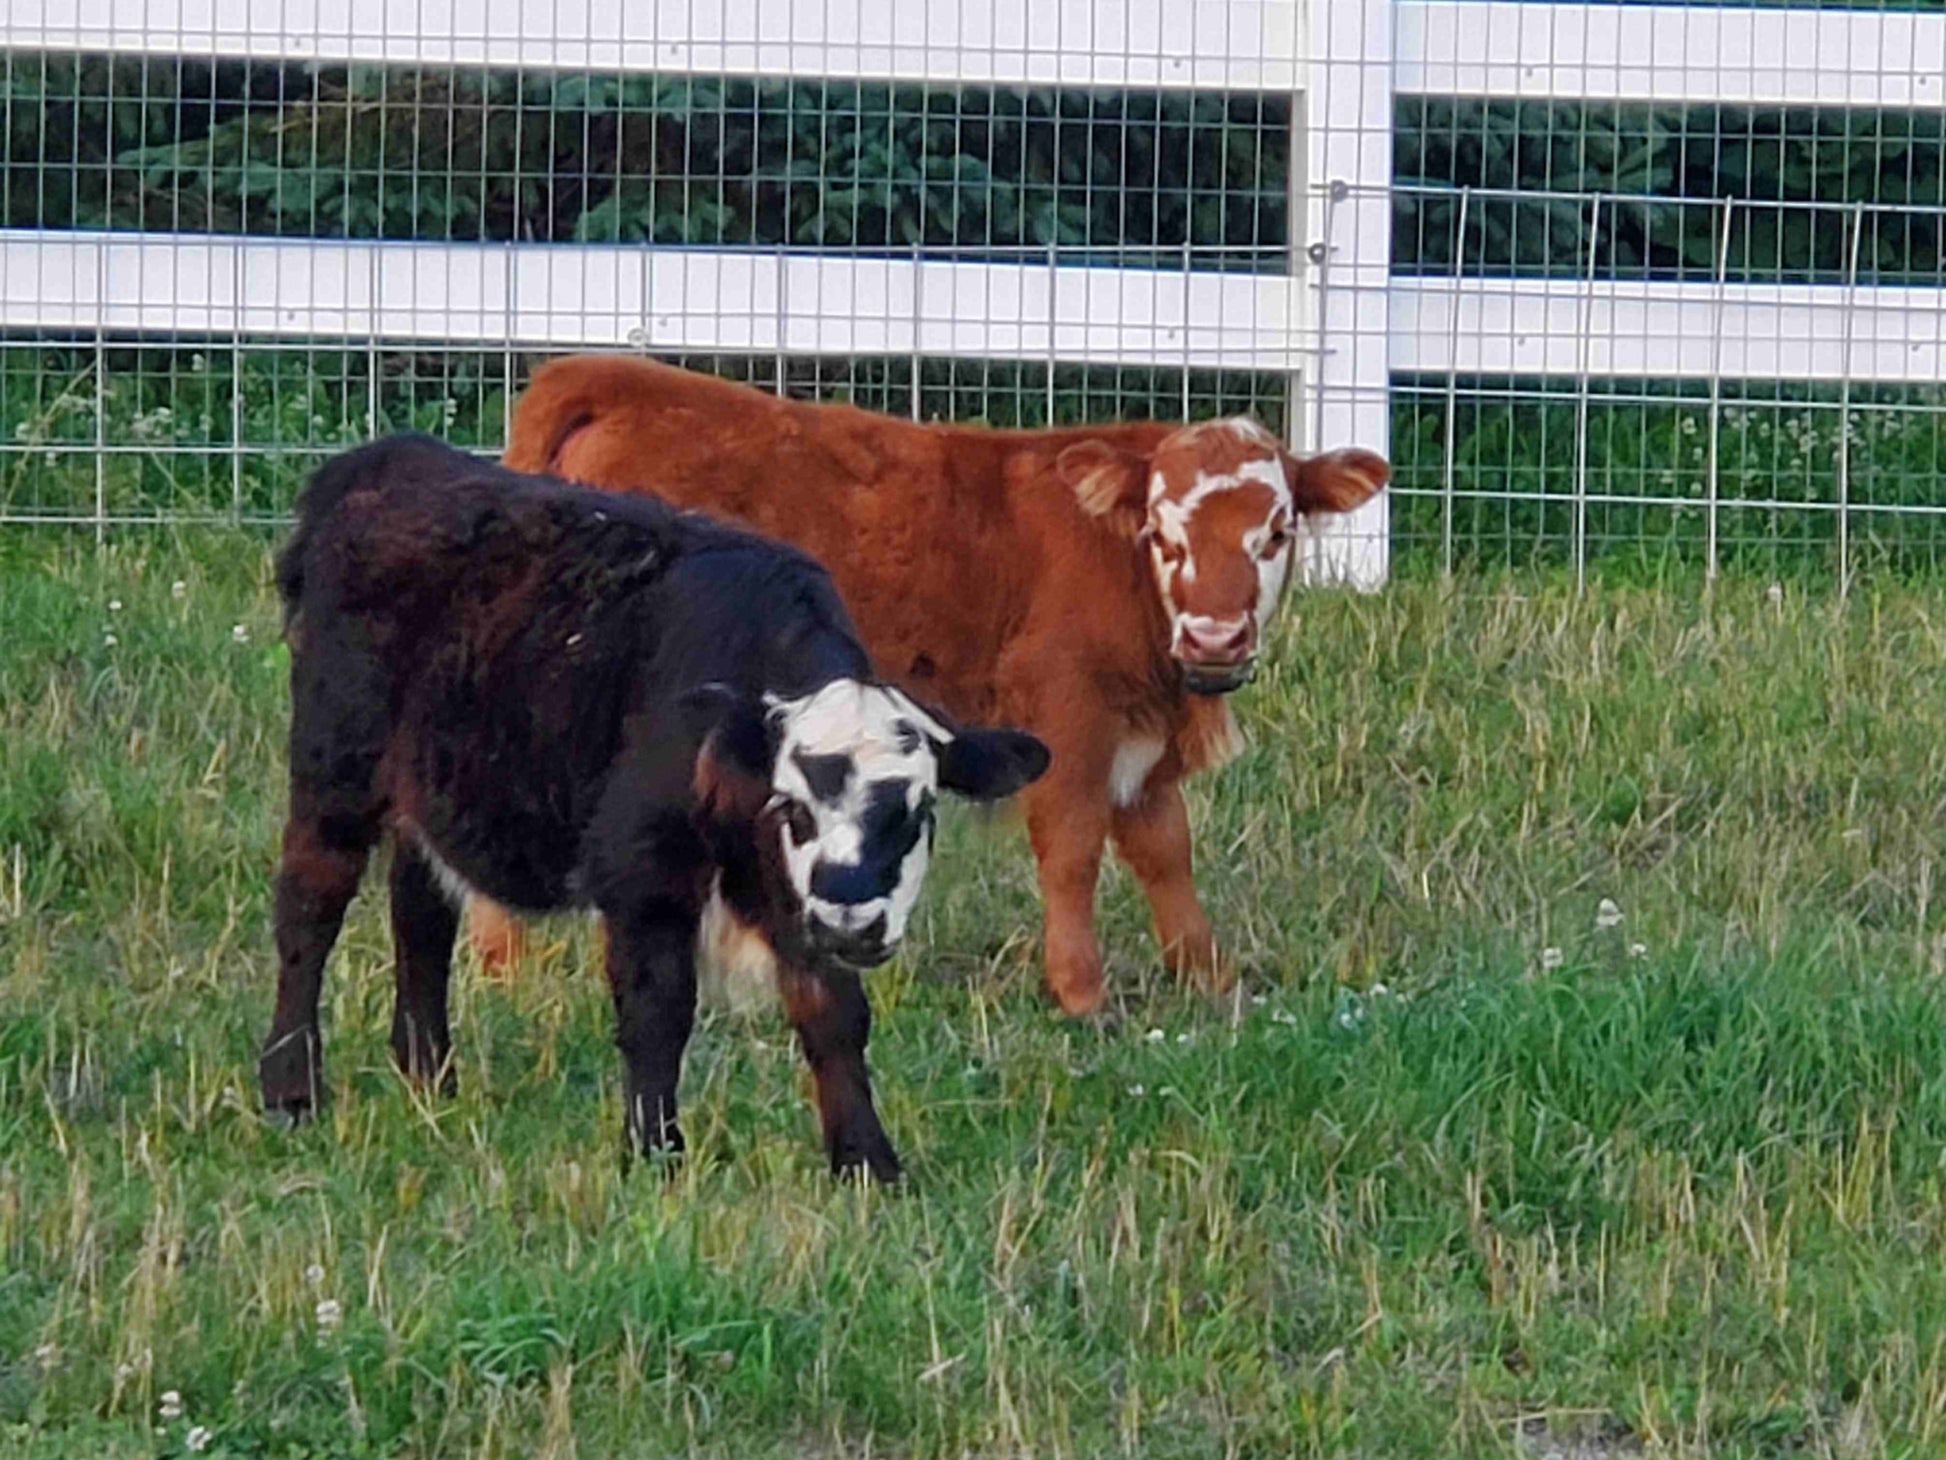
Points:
[(799, 823)]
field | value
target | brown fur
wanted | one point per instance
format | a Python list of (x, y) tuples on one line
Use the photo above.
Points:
[(1001, 574)]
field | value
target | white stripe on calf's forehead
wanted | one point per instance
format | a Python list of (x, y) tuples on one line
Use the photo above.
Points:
[(862, 723)]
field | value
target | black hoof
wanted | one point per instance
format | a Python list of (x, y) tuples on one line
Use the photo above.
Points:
[(429, 1070), (872, 1159), (291, 1079)]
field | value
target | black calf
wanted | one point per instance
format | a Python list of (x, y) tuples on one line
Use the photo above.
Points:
[(566, 699)]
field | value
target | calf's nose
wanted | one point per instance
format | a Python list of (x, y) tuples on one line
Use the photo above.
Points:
[(1217, 640)]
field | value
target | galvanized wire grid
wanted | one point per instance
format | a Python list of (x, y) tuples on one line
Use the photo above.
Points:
[(115, 427), (1593, 291), (1741, 363)]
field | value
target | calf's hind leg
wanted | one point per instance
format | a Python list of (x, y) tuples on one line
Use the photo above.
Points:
[(424, 924), (322, 862)]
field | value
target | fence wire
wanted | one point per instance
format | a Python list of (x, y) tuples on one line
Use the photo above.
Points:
[(1623, 305)]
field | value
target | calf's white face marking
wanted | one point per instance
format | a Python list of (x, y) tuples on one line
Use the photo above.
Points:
[(856, 776), (1215, 617)]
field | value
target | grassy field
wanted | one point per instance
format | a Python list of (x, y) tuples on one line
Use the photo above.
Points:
[(1587, 1095)]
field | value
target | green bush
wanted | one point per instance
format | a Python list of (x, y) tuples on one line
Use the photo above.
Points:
[(1823, 159), (479, 154)]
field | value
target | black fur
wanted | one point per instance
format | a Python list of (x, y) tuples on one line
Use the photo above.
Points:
[(520, 678)]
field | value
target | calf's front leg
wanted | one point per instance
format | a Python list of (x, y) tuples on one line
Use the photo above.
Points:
[(833, 1022), (651, 959), (1067, 822)]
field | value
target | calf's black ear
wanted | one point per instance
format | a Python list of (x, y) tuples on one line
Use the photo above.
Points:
[(990, 765), (733, 767)]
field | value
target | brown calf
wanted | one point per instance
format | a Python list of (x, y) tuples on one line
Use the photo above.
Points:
[(1101, 586)]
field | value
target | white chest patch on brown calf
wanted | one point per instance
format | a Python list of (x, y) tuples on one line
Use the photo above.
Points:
[(1129, 772)]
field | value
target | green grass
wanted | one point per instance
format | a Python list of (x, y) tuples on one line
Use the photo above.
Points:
[(1429, 1188)]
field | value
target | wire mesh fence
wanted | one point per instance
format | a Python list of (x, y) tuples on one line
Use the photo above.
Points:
[(1640, 301)]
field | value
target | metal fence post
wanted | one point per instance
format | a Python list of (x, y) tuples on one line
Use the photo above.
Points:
[(101, 392), (1188, 279), (918, 316), (371, 345), (1585, 347), (507, 359), (238, 283), (1844, 403), (780, 312), (1452, 388), (1052, 320), (1716, 393)]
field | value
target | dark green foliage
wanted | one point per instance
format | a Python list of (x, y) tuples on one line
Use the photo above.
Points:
[(473, 154), (1828, 157)]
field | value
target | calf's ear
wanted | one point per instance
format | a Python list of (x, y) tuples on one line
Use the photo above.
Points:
[(1111, 485), (1335, 481), (990, 765), (734, 763), (982, 765)]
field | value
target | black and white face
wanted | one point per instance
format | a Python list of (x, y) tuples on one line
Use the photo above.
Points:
[(855, 777)]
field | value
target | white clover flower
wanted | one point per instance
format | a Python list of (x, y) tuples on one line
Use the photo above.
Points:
[(1608, 915), (330, 1313), (198, 1438), (241, 634), (170, 1406), (179, 589), (314, 1274), (109, 641), (1182, 1039), (114, 605), (1155, 1036), (47, 1356), (1638, 950), (1551, 958), (1137, 1091), (1258, 1001), (1775, 593)]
